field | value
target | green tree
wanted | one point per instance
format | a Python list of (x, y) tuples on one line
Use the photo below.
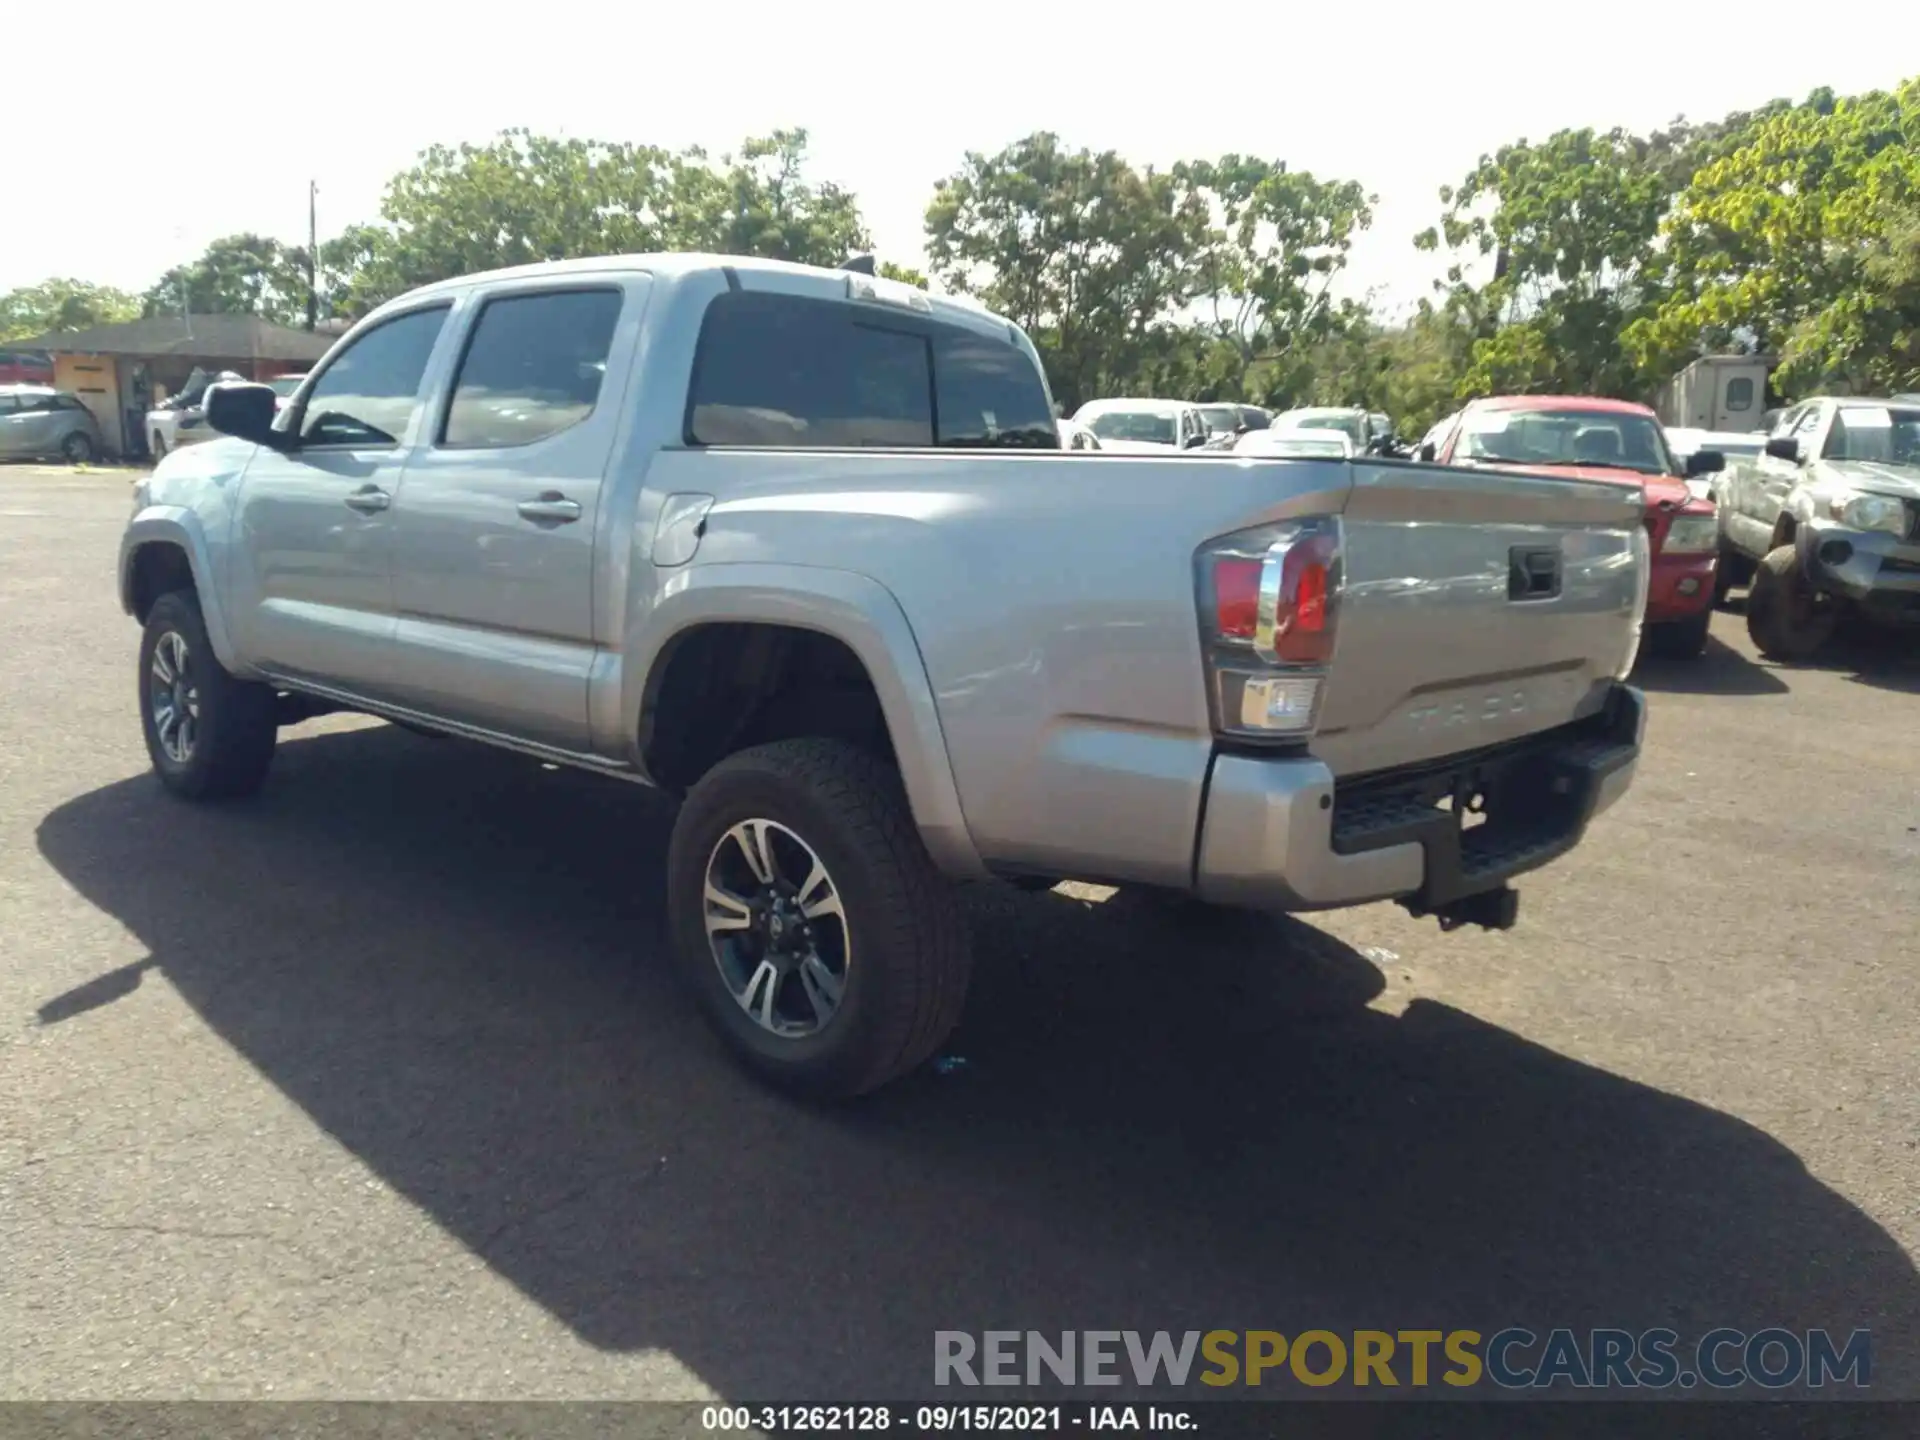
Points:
[(238, 275), (1792, 237), (1093, 258), (523, 198), (1265, 271), (58, 304), (1571, 225)]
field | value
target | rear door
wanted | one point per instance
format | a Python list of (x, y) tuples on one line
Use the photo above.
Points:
[(497, 514)]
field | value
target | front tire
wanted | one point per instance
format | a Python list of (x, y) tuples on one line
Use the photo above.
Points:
[(1680, 639), (77, 449), (806, 914), (156, 448), (210, 736), (1787, 619)]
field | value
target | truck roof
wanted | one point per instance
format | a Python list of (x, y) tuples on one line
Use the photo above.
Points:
[(1595, 403), (676, 264)]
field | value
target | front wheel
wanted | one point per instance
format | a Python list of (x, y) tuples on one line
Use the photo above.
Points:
[(77, 448), (806, 914), (1787, 619), (210, 736)]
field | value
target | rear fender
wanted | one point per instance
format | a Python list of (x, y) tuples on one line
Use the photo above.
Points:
[(863, 615)]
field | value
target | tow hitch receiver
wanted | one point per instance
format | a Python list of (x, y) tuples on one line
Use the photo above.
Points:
[(1495, 909)]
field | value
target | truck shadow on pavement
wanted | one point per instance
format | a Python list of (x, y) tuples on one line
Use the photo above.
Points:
[(450, 960), (1719, 670)]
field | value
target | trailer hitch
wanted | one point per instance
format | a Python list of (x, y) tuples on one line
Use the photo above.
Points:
[(1495, 909)]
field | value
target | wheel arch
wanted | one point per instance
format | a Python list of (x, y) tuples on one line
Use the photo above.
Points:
[(829, 613), (162, 545)]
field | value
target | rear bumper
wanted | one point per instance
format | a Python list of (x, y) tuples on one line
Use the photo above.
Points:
[(1679, 586), (1871, 567), (1284, 834)]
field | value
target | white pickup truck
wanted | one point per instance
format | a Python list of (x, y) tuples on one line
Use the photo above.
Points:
[(802, 547)]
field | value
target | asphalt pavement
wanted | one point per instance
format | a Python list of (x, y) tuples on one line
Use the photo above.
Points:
[(377, 1085)]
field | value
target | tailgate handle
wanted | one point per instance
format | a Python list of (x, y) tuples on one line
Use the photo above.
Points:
[(1533, 573)]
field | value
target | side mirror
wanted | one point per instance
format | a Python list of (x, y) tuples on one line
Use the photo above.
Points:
[(1706, 462), (1784, 447), (1194, 442), (1426, 451), (244, 412)]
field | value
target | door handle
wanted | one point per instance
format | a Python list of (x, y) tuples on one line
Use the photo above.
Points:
[(551, 505), (369, 500)]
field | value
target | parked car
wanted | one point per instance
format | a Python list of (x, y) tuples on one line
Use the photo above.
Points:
[(1358, 425), (1826, 519), (1737, 448), (1622, 442), (829, 587), (1074, 436), (26, 367), (181, 419), (1144, 426), (38, 422), (1296, 444)]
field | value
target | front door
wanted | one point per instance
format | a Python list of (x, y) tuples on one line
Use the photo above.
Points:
[(495, 522), (311, 585)]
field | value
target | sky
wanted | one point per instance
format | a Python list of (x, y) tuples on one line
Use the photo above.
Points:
[(206, 129)]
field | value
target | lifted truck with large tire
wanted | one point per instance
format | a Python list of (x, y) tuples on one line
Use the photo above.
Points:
[(800, 547), (1826, 521)]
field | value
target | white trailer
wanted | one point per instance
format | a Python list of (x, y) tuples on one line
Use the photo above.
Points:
[(1717, 392)]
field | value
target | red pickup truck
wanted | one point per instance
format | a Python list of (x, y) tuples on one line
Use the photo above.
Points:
[(1607, 440)]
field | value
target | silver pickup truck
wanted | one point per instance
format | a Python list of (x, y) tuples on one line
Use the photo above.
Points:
[(800, 547)]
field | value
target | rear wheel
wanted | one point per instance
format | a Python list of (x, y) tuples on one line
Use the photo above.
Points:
[(1680, 639), (1787, 618), (809, 919), (77, 448), (210, 736)]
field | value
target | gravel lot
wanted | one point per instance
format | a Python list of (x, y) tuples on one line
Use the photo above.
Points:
[(376, 1085)]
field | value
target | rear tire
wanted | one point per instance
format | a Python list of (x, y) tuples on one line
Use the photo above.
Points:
[(886, 959), (1680, 639), (210, 736), (1787, 619)]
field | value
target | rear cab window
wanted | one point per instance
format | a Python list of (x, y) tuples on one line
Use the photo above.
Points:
[(789, 371)]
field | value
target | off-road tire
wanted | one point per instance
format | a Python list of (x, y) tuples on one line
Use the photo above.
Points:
[(1680, 639), (1785, 619), (237, 722), (908, 959)]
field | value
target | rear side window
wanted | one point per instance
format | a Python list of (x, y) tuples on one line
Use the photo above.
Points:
[(533, 367), (988, 393), (787, 370)]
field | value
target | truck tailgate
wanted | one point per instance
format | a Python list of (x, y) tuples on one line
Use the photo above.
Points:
[(1475, 609)]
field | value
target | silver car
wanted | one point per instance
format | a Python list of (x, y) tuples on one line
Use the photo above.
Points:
[(38, 422)]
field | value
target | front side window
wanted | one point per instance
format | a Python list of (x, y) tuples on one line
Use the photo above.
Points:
[(782, 370), (366, 396), (1565, 437), (533, 367)]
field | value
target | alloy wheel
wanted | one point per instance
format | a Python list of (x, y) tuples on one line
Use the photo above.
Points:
[(776, 928), (174, 697)]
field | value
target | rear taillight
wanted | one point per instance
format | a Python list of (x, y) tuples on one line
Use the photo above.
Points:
[(1269, 600)]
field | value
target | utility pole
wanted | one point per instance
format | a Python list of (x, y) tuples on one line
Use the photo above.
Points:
[(313, 256)]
